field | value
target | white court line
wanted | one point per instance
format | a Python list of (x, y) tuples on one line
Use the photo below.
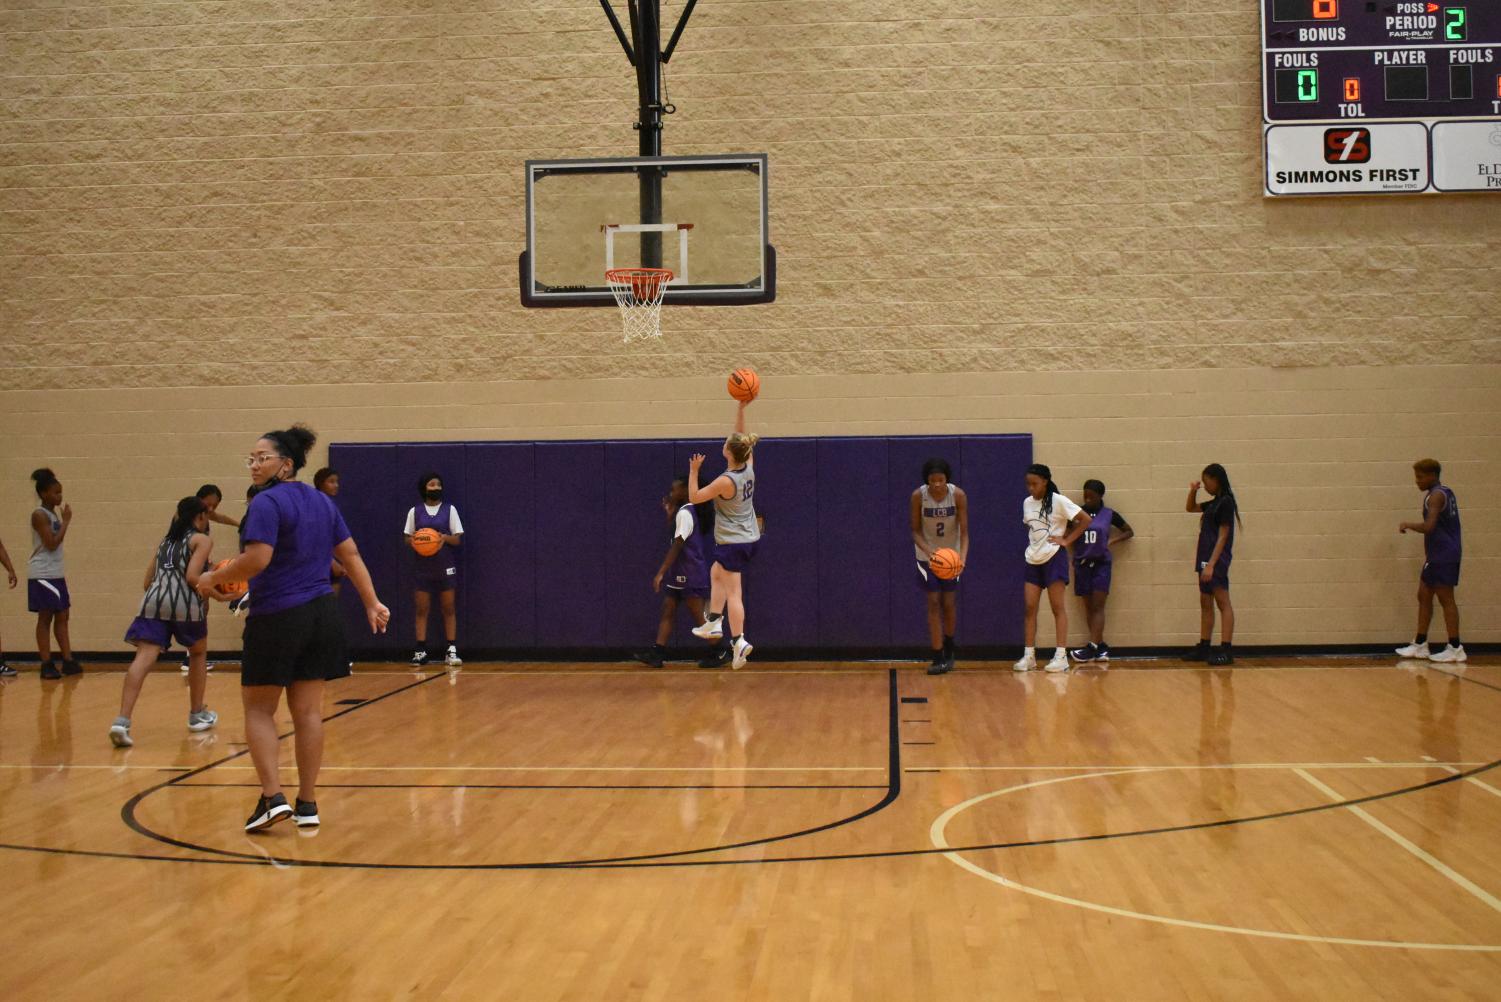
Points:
[(1469, 779), (937, 834), (813, 768), (1412, 847)]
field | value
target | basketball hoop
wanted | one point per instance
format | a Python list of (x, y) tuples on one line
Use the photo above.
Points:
[(638, 292)]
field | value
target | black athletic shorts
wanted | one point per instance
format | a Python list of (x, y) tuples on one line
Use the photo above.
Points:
[(302, 644)]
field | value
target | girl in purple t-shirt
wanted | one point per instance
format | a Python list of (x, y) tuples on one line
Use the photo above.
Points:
[(293, 636)]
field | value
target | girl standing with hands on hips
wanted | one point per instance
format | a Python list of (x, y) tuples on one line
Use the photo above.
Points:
[(1217, 521), (293, 638), (1053, 523), (735, 536)]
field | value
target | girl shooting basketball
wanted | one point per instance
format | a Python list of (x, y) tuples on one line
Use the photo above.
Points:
[(735, 535), (172, 609), (1217, 521), (46, 585), (293, 638), (940, 520), (1053, 523)]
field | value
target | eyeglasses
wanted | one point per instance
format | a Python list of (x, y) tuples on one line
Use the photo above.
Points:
[(251, 461)]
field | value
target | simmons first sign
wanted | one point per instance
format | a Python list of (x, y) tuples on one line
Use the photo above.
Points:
[(1346, 159)]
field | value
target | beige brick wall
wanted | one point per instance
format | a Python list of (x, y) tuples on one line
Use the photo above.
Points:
[(989, 218)]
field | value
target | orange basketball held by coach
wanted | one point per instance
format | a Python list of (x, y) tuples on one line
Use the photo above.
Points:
[(427, 542), (744, 384), (946, 564), (231, 587)]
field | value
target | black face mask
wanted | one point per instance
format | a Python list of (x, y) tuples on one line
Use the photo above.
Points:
[(433, 496)]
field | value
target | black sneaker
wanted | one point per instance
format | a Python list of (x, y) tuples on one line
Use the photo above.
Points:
[(72, 667), (1102, 652), (939, 666), (650, 658), (49, 670), (1221, 657), (268, 811), (717, 658), (306, 814), (6, 671), (1085, 653), (419, 657), (1199, 652)]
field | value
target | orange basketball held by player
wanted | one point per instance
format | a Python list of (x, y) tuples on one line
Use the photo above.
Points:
[(231, 587), (427, 542), (946, 564), (744, 384)]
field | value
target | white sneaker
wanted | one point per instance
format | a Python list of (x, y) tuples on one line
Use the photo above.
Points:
[(1450, 654), (710, 629), (743, 650), (1413, 650), (453, 660), (207, 667), (202, 720), (1027, 662), (119, 735), (1059, 662)]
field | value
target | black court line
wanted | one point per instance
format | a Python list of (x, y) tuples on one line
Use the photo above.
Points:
[(349, 702), (244, 859), (914, 699), (222, 858), (1463, 678), (893, 791), (919, 742), (917, 721), (538, 786)]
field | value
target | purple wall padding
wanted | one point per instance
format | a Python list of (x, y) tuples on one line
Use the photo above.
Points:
[(562, 538)]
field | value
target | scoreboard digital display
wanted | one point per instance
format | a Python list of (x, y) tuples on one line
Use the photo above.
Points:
[(1356, 62)]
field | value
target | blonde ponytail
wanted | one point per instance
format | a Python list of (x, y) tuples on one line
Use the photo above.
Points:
[(741, 444)]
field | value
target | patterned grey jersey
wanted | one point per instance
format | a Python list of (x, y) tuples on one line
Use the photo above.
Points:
[(735, 518), (45, 564), (169, 597)]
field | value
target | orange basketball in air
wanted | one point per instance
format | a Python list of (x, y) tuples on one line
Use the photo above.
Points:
[(427, 542), (946, 564), (744, 384), (231, 587)]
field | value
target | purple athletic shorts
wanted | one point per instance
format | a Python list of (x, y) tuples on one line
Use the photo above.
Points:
[(445, 579), (1441, 575), (734, 557), (932, 582), (1220, 579), (47, 595), (1091, 576), (678, 592), (161, 632), (1042, 575)]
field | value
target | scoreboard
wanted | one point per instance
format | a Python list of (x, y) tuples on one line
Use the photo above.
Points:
[(1381, 97)]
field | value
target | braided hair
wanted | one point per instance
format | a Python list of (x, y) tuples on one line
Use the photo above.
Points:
[(1042, 472)]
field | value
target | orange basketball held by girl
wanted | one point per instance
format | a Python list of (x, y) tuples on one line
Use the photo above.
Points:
[(744, 385), (939, 516)]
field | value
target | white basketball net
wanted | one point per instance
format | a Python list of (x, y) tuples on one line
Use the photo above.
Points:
[(638, 293)]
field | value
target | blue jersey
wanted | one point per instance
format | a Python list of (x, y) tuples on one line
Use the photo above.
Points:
[(1218, 512), (1442, 545)]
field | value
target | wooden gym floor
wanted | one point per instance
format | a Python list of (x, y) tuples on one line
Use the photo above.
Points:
[(1283, 829)]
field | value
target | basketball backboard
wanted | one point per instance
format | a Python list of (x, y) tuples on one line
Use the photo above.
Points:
[(703, 217)]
